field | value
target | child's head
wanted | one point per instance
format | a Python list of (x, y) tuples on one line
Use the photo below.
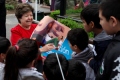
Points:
[(31, 78), (78, 39), (90, 17), (4, 45), (76, 70), (51, 67), (109, 14), (20, 56)]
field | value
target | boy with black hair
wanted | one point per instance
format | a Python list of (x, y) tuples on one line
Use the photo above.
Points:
[(109, 15), (4, 45), (90, 18), (76, 70), (78, 40), (51, 67)]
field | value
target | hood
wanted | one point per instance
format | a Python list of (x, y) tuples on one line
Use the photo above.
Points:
[(85, 55), (117, 36), (102, 36)]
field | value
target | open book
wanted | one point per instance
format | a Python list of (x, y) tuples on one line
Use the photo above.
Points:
[(49, 30)]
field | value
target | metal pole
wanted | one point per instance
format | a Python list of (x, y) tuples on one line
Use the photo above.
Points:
[(39, 1), (36, 10)]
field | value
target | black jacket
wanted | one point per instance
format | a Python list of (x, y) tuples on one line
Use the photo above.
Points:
[(110, 68), (100, 42)]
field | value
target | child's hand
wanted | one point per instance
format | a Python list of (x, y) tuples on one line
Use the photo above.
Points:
[(47, 47), (89, 60)]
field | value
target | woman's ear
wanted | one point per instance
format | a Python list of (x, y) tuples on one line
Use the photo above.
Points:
[(91, 24), (113, 21)]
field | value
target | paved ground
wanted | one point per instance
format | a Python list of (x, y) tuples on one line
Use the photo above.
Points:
[(11, 20)]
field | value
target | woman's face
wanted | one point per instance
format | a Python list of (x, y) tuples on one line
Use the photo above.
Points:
[(26, 19)]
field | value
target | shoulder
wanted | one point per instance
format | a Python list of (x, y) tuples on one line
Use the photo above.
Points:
[(1, 71), (31, 72), (89, 72), (112, 52), (34, 25), (2, 65), (16, 28)]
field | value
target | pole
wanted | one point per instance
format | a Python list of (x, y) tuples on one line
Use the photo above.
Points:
[(63, 7), (36, 10), (39, 1)]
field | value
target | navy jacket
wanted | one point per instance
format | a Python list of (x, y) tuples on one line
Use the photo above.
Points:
[(100, 42)]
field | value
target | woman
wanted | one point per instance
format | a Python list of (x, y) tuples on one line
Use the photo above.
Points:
[(20, 60), (25, 27)]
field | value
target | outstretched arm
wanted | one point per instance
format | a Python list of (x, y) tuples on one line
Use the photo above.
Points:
[(47, 47)]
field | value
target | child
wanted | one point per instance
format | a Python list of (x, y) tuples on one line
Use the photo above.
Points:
[(78, 40), (90, 18), (4, 45), (19, 61), (51, 67), (76, 70), (109, 15)]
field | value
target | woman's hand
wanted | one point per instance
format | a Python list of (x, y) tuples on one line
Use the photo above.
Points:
[(47, 47)]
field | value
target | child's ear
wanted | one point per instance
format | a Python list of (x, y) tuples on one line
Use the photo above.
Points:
[(91, 24), (113, 21), (75, 47), (33, 63), (44, 76), (2, 56)]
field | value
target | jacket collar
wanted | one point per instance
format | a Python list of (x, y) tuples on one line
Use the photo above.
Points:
[(117, 36)]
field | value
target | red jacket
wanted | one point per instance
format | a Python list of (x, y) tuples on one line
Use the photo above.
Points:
[(18, 33)]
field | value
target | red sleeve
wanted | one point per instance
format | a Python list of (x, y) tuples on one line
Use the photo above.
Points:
[(15, 36)]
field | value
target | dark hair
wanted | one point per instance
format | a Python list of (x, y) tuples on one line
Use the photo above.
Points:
[(110, 8), (76, 70), (4, 45), (19, 56), (91, 13), (51, 67), (21, 9), (31, 78), (78, 37)]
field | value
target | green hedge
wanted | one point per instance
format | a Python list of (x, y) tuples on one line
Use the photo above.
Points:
[(69, 11), (70, 23), (9, 7), (54, 14), (73, 24), (47, 2)]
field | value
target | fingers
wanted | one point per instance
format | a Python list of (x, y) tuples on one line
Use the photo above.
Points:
[(47, 47), (50, 46)]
